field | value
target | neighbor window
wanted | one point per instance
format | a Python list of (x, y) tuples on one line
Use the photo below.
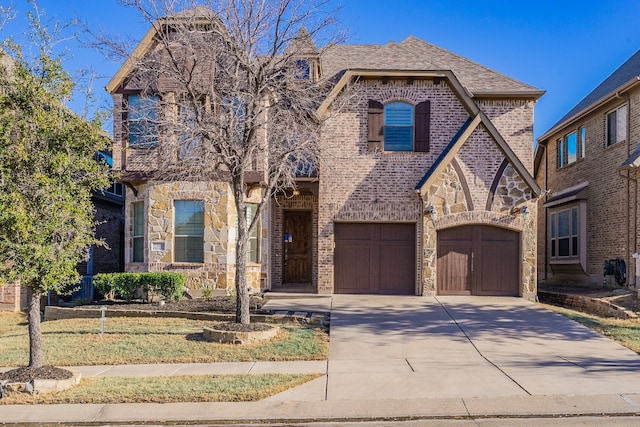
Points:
[(616, 125), (564, 233), (253, 247), (398, 126), (571, 147), (142, 119), (189, 231), (138, 232)]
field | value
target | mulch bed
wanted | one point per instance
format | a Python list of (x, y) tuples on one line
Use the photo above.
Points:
[(215, 304), (26, 374), (239, 327)]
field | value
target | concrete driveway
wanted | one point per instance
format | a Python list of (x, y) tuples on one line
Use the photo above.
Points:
[(392, 347)]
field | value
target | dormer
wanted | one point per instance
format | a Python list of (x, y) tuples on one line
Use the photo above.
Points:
[(305, 56)]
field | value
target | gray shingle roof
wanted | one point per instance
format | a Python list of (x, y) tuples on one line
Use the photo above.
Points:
[(416, 54), (626, 72)]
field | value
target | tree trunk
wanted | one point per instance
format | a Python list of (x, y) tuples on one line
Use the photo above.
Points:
[(36, 358), (242, 304)]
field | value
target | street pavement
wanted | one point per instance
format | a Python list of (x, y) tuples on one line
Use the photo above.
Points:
[(410, 359)]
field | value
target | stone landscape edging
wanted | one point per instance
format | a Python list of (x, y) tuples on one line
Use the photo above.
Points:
[(280, 317), (43, 386), (586, 304)]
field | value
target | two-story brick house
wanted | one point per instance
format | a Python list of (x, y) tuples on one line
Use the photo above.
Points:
[(588, 163), (425, 185)]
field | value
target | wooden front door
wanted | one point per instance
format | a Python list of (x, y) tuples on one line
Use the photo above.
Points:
[(297, 238), (478, 260)]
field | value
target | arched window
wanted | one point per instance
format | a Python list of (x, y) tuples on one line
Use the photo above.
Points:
[(398, 126)]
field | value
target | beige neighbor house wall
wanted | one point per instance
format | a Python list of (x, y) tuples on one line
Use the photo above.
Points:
[(358, 185), (13, 297), (610, 200)]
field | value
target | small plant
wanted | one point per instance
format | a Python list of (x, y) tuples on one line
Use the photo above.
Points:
[(207, 294), (124, 285)]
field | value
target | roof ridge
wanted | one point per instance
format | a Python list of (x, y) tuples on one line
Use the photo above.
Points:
[(465, 59)]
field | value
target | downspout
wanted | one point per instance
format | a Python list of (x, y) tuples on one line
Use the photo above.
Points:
[(628, 178), (546, 217)]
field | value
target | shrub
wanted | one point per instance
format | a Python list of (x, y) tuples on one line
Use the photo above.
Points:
[(124, 285)]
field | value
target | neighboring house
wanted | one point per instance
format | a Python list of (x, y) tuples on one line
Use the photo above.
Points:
[(425, 187), (109, 215), (588, 161)]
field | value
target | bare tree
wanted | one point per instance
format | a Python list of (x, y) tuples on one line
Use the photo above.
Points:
[(238, 90)]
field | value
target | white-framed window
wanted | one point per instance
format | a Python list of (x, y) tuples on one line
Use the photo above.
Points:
[(571, 147), (616, 125), (565, 233), (253, 247), (142, 120), (137, 254), (189, 231)]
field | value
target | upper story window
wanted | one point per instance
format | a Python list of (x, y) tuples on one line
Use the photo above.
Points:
[(142, 120), (137, 254), (303, 69), (616, 125), (189, 231), (571, 147), (399, 126), (190, 133)]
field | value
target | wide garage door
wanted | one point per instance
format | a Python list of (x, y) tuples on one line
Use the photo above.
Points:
[(478, 260), (375, 258)]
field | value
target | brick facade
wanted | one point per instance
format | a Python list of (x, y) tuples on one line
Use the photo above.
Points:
[(611, 200)]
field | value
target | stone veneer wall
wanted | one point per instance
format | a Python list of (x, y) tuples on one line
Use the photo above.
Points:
[(305, 202), (217, 272), (446, 194)]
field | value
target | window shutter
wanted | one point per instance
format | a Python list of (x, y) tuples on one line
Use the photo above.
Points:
[(375, 125), (422, 123)]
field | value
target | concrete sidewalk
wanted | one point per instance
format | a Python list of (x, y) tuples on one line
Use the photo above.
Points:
[(407, 357)]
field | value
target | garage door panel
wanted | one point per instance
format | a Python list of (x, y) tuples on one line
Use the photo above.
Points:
[(353, 261), (374, 258), (397, 273), (454, 268), (498, 268)]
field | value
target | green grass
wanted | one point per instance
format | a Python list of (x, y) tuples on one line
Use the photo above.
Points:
[(147, 340), (625, 332), (188, 388)]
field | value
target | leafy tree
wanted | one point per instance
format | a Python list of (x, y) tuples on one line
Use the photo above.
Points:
[(237, 96), (48, 171)]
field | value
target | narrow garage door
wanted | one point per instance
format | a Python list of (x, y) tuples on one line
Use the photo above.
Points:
[(375, 258), (478, 260)]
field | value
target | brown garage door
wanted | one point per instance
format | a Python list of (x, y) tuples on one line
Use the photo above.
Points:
[(478, 260), (375, 259)]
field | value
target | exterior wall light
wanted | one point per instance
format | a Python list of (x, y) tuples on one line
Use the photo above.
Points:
[(431, 210), (524, 211)]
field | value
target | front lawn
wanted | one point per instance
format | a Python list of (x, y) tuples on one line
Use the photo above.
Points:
[(188, 388), (625, 332), (147, 340)]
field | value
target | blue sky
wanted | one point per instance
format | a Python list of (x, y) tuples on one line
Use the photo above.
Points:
[(565, 47)]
